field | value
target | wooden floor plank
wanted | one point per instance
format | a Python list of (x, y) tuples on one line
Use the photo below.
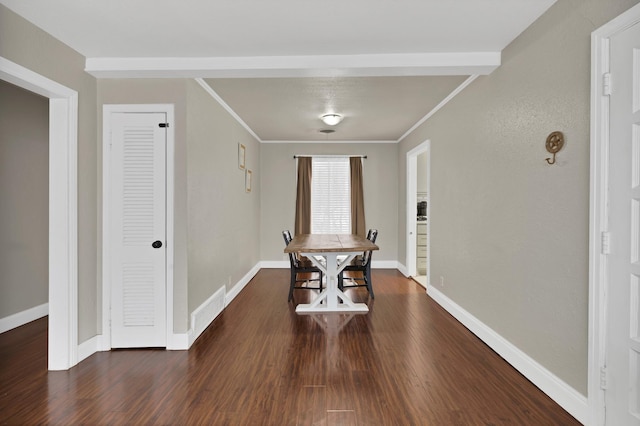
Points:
[(406, 362)]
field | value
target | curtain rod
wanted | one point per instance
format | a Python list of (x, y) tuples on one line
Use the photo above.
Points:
[(330, 156)]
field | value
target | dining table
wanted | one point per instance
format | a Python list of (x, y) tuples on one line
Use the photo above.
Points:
[(330, 253)]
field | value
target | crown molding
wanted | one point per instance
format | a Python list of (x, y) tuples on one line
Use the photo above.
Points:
[(226, 106), (324, 141), (442, 103)]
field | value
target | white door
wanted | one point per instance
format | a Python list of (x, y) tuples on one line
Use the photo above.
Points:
[(137, 229), (622, 396)]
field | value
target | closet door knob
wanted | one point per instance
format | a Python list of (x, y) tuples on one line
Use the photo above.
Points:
[(156, 244)]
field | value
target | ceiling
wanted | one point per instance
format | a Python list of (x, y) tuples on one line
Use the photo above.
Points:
[(280, 64), (374, 108)]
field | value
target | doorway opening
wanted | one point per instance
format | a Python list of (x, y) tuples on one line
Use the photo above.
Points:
[(63, 222), (24, 197), (418, 207)]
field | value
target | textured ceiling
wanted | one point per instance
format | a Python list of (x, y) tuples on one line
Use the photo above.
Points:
[(374, 108)]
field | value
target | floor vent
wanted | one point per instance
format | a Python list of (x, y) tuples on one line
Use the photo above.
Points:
[(207, 312)]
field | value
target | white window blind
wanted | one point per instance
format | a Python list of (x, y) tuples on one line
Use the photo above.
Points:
[(330, 196)]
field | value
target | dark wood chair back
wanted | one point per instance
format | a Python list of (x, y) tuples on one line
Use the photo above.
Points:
[(300, 267)]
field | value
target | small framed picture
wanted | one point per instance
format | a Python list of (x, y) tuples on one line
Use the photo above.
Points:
[(241, 156), (247, 181)]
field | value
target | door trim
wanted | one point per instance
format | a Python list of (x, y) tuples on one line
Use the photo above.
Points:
[(63, 210), (598, 210), (107, 110), (411, 197)]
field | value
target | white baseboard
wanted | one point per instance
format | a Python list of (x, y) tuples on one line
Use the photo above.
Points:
[(403, 270), (21, 318), (210, 309), (236, 289), (100, 344), (90, 347), (564, 395), (384, 264)]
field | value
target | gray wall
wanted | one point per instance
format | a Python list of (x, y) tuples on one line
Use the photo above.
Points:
[(27, 45), (24, 197), (223, 219), (278, 193), (509, 233)]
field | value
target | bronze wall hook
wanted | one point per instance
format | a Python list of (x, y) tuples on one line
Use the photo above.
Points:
[(555, 142)]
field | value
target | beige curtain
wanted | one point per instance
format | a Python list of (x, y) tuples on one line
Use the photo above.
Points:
[(303, 197), (357, 198)]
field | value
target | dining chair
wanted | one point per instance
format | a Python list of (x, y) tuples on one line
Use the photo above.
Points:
[(360, 264), (301, 265)]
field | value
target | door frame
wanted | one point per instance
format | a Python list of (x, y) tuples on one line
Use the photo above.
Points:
[(598, 209), (412, 199), (107, 110), (63, 210)]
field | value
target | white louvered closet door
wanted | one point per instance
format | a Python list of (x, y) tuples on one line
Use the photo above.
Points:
[(138, 215)]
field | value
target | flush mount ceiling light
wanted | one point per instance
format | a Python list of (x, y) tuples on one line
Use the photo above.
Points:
[(331, 119)]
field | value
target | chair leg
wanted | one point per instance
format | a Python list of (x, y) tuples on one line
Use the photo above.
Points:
[(291, 285), (367, 278)]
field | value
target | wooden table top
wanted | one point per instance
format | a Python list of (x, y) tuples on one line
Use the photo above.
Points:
[(326, 243)]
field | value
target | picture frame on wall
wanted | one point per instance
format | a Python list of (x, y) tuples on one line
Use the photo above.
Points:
[(241, 156), (247, 180)]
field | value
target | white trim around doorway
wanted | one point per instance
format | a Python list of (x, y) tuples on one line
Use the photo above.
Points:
[(598, 210), (411, 198), (174, 341), (63, 210)]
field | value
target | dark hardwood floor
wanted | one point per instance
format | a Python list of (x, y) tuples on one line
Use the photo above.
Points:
[(406, 362)]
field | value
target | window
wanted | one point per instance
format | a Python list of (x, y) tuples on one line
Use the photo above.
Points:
[(330, 196)]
